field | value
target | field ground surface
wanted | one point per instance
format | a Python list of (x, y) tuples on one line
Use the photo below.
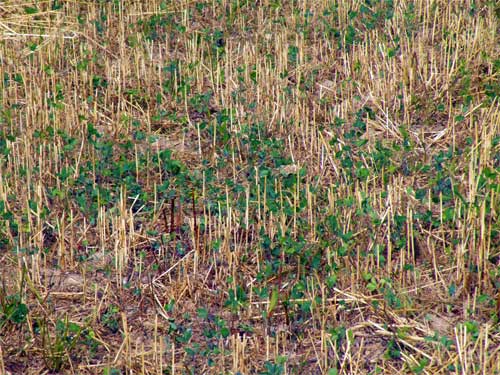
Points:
[(249, 187)]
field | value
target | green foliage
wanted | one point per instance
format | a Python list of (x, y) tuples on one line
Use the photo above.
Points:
[(274, 368), (59, 345), (13, 310), (110, 318)]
